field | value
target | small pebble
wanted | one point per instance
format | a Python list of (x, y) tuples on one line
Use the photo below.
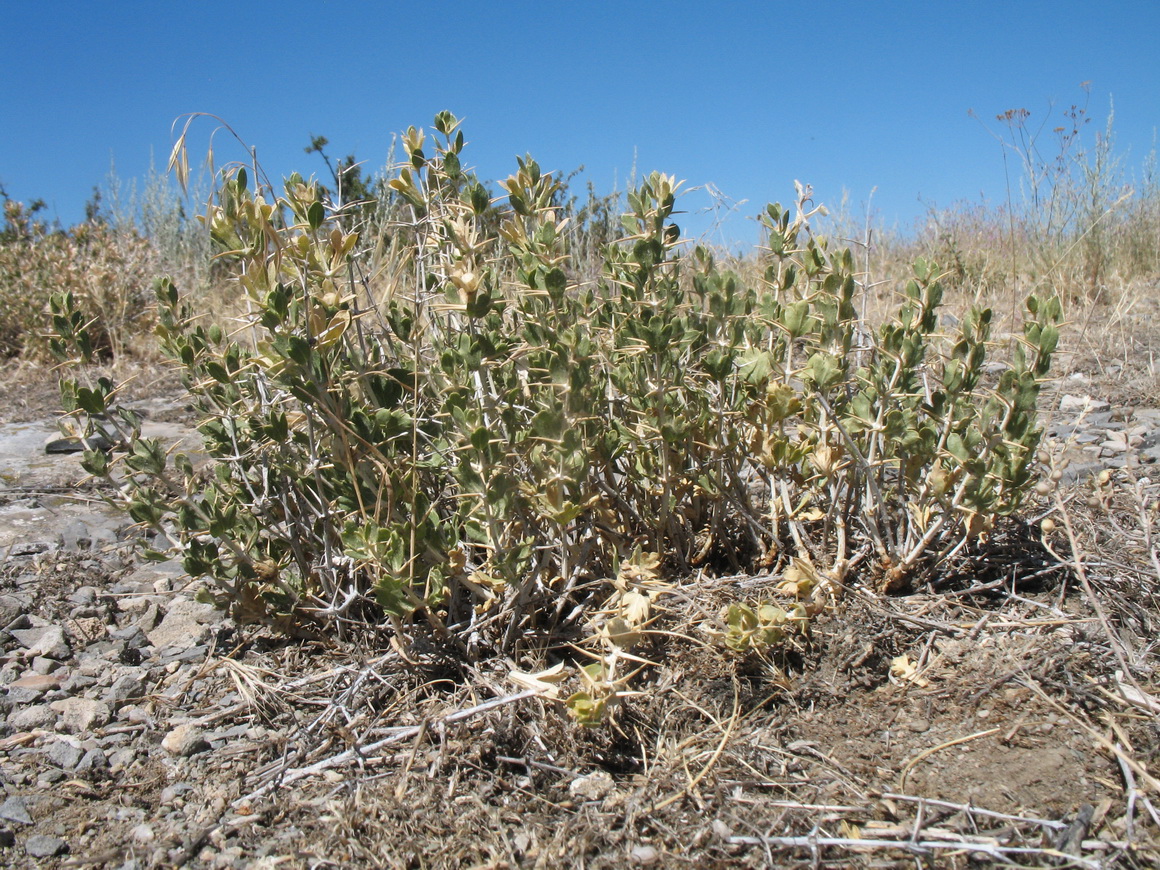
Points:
[(41, 846), (15, 810), (185, 740), (645, 856)]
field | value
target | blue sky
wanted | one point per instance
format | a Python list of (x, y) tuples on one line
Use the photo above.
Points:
[(746, 96)]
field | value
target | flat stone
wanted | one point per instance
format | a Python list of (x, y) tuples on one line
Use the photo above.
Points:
[(185, 625), (64, 754), (84, 595), (37, 682), (1078, 403), (185, 740), (45, 640), (15, 810), (20, 695), (75, 444), (145, 577), (132, 635), (94, 759), (78, 715), (594, 787), (120, 759), (126, 687), (32, 717), (22, 459), (171, 793), (75, 536), (77, 683), (30, 548), (176, 654), (11, 607), (41, 846)]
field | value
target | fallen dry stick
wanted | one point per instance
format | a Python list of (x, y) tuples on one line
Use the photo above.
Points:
[(361, 751), (915, 847)]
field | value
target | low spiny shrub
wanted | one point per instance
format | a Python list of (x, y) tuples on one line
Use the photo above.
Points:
[(488, 448)]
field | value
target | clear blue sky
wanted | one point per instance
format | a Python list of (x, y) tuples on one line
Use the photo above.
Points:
[(747, 96)]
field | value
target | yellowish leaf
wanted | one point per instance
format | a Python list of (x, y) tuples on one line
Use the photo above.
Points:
[(902, 668), (620, 634), (638, 568), (634, 607), (544, 682)]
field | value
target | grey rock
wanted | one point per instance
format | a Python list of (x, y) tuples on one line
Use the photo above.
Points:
[(135, 603), (145, 577), (1081, 472), (84, 595), (171, 793), (77, 682), (93, 760), (120, 759), (44, 665), (104, 536), (45, 640), (149, 618), (185, 625), (30, 548), (22, 695), (1078, 403), (1104, 420), (75, 536), (132, 635), (32, 685), (76, 444), (78, 715), (91, 665), (185, 740), (11, 607), (32, 717), (42, 846), (136, 714), (126, 687), (15, 810), (173, 654), (64, 754)]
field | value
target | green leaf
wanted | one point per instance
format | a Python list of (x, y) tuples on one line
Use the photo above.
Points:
[(586, 710), (796, 318), (823, 370), (315, 215), (755, 366), (91, 401)]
